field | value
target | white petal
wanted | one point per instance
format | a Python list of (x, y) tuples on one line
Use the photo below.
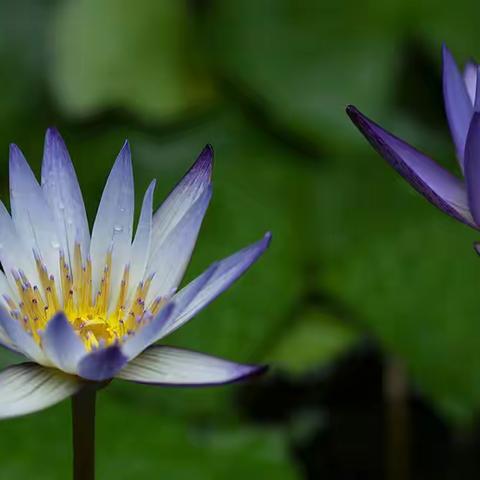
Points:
[(13, 253), (113, 223), (162, 365), (141, 243), (28, 388), (227, 271), (62, 345), (61, 189), (183, 196), (23, 342), (30, 212), (5, 291), (169, 260)]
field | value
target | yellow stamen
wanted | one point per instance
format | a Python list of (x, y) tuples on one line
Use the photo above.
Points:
[(98, 319)]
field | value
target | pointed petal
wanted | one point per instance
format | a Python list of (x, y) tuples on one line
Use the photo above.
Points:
[(143, 236), (170, 259), (146, 335), (470, 79), (62, 345), (23, 342), (102, 364), (151, 332), (13, 253), (458, 105), (28, 388), (435, 183), (162, 365), (30, 212), (183, 196), (476, 105), (61, 189), (226, 272), (472, 166), (113, 224)]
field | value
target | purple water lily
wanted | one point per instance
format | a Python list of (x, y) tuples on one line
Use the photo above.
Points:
[(456, 197), (86, 309)]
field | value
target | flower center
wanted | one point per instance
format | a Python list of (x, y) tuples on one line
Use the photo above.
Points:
[(95, 317)]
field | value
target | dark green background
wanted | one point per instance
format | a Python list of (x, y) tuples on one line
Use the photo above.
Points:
[(356, 254)]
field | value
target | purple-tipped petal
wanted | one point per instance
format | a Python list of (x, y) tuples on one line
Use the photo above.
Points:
[(226, 272), (162, 365), (146, 335), (102, 364), (472, 167), (62, 345), (28, 388), (23, 341), (60, 185), (114, 221), (182, 197), (458, 105), (436, 184), (169, 259)]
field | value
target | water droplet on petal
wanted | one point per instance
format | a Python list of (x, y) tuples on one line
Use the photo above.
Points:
[(118, 228)]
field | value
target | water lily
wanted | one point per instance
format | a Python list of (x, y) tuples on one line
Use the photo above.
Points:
[(85, 309), (459, 198)]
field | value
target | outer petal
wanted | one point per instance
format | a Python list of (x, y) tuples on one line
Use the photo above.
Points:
[(226, 272), (470, 79), (151, 332), (472, 167), (162, 365), (62, 345), (13, 254), (60, 185), (114, 221), (102, 364), (458, 104), (435, 183), (24, 343), (169, 260), (142, 241), (183, 196), (28, 388), (31, 214)]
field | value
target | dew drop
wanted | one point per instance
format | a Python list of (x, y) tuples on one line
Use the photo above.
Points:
[(118, 228)]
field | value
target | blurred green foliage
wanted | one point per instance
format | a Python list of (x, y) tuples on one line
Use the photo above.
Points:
[(265, 82)]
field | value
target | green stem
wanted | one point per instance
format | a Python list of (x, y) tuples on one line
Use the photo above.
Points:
[(83, 426)]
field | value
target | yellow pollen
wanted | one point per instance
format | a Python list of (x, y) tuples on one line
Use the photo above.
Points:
[(98, 319)]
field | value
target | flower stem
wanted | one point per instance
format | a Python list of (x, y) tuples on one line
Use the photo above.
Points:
[(83, 426)]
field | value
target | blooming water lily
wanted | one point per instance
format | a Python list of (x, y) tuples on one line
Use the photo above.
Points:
[(84, 309)]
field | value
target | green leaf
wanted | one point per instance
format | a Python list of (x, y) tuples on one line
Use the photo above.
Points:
[(408, 272), (137, 56), (298, 60), (135, 442), (312, 340)]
